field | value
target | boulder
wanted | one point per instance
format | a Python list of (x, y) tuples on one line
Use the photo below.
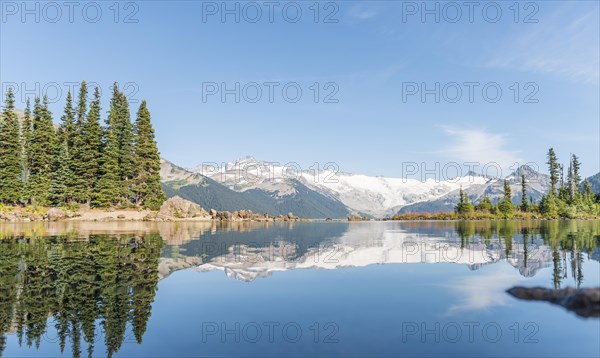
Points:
[(179, 208), (585, 302), (55, 214), (213, 213), (355, 218), (224, 215)]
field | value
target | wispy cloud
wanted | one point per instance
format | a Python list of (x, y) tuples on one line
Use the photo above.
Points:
[(481, 146), (561, 45), (362, 12)]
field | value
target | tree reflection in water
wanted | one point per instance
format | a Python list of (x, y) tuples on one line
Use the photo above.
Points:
[(82, 287)]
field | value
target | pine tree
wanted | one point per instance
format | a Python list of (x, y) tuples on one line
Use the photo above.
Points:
[(588, 194), (548, 206), (553, 169), (506, 206), (574, 178), (146, 181), (61, 191), (485, 205), (464, 206), (26, 128), (77, 150), (92, 144), (109, 188), (66, 130), (42, 149), (11, 183), (123, 128), (82, 103), (524, 200)]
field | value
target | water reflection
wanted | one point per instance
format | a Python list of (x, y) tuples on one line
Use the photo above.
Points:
[(96, 282), (79, 287)]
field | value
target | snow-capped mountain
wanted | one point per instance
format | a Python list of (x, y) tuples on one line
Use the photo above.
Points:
[(362, 194), (537, 185), (278, 189)]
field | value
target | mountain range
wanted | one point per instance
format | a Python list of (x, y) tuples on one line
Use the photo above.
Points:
[(264, 187)]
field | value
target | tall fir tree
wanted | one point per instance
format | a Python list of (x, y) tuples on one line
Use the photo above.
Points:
[(82, 103), (42, 149), (124, 134), (11, 182), (66, 130), (524, 200), (26, 128), (554, 170), (506, 206), (574, 178), (77, 151), (92, 144), (146, 180), (109, 187)]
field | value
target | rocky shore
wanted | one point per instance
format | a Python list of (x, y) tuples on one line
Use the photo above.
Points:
[(173, 209)]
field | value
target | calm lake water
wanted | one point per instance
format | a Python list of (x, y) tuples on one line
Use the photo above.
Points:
[(300, 289)]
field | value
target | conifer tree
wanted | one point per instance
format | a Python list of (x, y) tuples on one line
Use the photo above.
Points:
[(61, 191), (82, 103), (524, 200), (574, 178), (109, 188), (588, 194), (11, 183), (123, 128), (146, 182), (92, 144), (66, 130), (26, 128), (42, 149), (77, 150), (464, 206), (506, 206), (553, 169), (548, 206), (485, 205)]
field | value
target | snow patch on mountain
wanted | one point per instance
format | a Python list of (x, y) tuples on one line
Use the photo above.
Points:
[(362, 194)]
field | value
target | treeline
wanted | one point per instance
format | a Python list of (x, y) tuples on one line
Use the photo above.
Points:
[(81, 161), (566, 198)]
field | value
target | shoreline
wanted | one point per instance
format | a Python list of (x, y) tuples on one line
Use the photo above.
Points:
[(177, 209)]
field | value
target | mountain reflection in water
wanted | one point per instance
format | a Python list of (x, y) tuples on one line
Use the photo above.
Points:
[(96, 282)]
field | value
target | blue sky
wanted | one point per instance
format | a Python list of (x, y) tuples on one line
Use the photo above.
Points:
[(374, 60)]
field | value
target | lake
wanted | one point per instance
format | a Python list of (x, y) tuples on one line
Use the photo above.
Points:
[(304, 289)]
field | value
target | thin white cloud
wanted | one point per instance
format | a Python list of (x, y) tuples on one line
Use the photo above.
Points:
[(481, 146), (564, 43), (362, 12)]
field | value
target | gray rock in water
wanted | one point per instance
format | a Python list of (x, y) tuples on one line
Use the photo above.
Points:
[(585, 302)]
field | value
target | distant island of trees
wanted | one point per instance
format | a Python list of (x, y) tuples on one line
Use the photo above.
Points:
[(81, 161), (565, 200)]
